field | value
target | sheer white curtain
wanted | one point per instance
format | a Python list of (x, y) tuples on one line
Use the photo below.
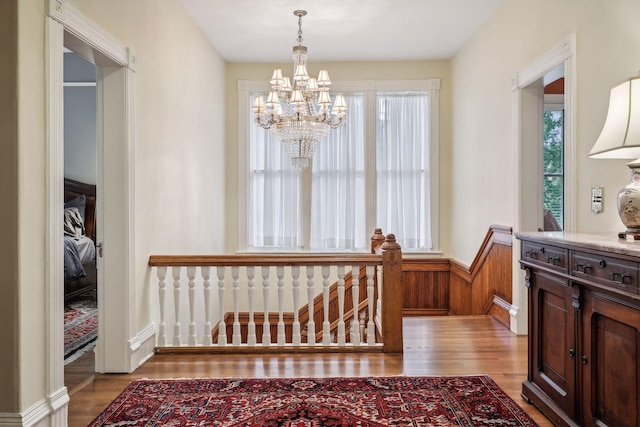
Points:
[(402, 160), (338, 188), (274, 194)]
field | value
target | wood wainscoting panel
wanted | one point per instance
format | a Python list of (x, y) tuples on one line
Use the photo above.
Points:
[(485, 287), (426, 287)]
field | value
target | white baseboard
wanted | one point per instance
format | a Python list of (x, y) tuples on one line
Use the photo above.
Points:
[(50, 412), (142, 346)]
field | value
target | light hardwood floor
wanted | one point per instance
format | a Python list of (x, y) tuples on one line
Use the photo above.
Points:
[(433, 346)]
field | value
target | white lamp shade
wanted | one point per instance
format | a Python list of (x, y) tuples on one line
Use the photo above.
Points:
[(323, 78), (324, 98), (339, 106), (273, 99), (297, 98), (340, 102), (312, 84), (258, 105), (286, 86), (276, 78), (620, 136), (301, 73)]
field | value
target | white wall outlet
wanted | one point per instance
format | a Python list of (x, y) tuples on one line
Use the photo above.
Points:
[(596, 199)]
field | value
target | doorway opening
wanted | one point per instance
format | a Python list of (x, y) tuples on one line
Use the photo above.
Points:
[(80, 178), (528, 135)]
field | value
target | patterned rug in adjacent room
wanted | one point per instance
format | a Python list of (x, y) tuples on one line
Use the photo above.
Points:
[(364, 402), (80, 326)]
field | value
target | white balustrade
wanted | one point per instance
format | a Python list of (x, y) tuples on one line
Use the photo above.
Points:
[(208, 317)]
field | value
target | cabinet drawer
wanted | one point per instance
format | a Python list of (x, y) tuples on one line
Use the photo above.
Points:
[(544, 255), (609, 271)]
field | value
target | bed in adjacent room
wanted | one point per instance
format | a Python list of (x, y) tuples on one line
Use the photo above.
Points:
[(80, 274)]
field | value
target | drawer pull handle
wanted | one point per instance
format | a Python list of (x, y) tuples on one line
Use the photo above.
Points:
[(583, 267), (603, 263), (622, 277), (572, 352), (553, 260)]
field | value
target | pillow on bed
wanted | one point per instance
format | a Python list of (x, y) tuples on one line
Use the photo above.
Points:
[(79, 202), (73, 224)]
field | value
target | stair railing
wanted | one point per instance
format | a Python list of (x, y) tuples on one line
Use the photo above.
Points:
[(190, 307)]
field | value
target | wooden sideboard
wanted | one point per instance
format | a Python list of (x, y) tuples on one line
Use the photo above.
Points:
[(584, 327)]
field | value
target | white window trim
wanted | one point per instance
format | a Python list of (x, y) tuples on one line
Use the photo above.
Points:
[(369, 88)]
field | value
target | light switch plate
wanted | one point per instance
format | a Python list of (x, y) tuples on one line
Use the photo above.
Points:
[(596, 199)]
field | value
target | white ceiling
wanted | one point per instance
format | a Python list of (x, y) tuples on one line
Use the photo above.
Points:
[(339, 30)]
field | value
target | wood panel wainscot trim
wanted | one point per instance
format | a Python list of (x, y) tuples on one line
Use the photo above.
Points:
[(484, 287), (426, 287)]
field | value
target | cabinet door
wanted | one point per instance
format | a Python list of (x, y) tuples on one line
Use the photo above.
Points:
[(610, 363), (552, 353)]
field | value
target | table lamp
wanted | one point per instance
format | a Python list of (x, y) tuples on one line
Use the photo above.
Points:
[(620, 139)]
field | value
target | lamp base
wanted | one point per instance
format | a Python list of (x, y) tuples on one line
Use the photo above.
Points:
[(629, 203)]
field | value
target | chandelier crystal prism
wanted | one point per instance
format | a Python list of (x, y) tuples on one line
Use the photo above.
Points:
[(299, 112)]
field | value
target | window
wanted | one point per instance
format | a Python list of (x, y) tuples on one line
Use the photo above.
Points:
[(378, 170), (274, 194), (338, 185), (402, 156), (553, 164)]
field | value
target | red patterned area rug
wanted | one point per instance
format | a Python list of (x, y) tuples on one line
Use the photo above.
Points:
[(80, 326), (306, 402)]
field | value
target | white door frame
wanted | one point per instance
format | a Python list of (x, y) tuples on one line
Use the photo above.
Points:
[(528, 103), (116, 65)]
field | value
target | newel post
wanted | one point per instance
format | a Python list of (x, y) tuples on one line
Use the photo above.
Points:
[(377, 239), (392, 295)]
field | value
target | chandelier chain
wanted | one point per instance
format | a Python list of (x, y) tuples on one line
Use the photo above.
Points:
[(300, 39)]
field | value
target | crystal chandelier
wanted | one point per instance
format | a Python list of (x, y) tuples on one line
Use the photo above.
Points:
[(299, 113)]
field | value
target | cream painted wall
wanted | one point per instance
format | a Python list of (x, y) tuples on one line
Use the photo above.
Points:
[(516, 35), (31, 206), (179, 151), (343, 71)]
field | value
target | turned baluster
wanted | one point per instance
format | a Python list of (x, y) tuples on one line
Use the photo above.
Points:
[(191, 276), (162, 328), (295, 274), (205, 272), (266, 326), (341, 327), (281, 330), (177, 326), (237, 334), (222, 326)]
